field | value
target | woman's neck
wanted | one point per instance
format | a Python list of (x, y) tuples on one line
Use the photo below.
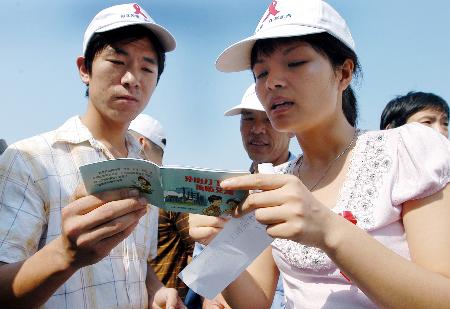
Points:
[(321, 146)]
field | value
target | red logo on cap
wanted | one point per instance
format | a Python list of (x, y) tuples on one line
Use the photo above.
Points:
[(272, 10), (138, 10)]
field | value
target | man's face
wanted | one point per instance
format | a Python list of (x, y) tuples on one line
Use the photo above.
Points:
[(122, 80), (261, 141)]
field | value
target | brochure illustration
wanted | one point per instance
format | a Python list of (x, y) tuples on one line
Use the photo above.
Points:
[(173, 188)]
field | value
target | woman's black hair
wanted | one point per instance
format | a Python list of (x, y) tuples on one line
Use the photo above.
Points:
[(399, 109), (326, 44), (128, 34)]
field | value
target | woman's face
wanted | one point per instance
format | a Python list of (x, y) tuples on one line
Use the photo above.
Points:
[(433, 118), (298, 87)]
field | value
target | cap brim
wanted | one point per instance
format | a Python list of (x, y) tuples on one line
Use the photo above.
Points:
[(237, 57), (238, 109), (233, 111), (164, 36)]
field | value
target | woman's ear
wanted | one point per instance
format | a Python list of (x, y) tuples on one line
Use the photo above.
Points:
[(346, 73), (82, 70)]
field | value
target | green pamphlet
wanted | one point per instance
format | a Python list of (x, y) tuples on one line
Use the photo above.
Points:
[(173, 188)]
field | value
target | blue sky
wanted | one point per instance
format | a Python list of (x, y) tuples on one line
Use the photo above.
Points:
[(403, 45)]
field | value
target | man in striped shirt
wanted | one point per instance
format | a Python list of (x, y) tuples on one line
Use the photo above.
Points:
[(62, 248)]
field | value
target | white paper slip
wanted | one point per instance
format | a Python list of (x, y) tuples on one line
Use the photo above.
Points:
[(228, 254)]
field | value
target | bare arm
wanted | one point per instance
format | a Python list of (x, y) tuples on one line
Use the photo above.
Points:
[(23, 286), (389, 280), (255, 287), (91, 227), (392, 281)]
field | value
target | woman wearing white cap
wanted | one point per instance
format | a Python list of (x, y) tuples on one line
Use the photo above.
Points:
[(362, 218)]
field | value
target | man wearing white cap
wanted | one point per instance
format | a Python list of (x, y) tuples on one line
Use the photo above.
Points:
[(261, 141), (150, 134), (263, 144), (62, 248)]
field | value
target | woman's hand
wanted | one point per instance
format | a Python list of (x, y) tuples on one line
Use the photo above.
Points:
[(285, 205)]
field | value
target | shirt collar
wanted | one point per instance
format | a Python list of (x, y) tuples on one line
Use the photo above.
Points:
[(73, 131), (290, 158)]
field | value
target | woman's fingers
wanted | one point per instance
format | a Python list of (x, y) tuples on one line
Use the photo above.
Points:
[(280, 230), (272, 215), (263, 182)]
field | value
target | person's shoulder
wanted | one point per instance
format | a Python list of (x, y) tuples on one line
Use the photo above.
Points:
[(416, 135), (410, 134), (422, 162), (40, 144)]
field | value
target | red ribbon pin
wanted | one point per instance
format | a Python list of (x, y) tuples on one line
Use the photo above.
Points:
[(272, 10), (138, 10), (347, 214)]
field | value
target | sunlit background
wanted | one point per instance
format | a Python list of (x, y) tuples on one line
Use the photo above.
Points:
[(403, 45)]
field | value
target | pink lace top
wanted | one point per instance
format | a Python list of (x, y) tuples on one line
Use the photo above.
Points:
[(387, 168)]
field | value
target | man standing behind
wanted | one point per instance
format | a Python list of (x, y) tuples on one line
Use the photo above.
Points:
[(175, 246), (64, 250), (261, 141), (263, 144)]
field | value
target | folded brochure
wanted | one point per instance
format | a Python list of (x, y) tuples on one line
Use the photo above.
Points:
[(173, 188)]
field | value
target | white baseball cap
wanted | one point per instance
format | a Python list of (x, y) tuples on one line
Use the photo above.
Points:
[(150, 128), (287, 18), (123, 15), (249, 101)]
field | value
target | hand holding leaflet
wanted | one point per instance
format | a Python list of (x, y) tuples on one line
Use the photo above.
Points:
[(180, 189), (228, 254)]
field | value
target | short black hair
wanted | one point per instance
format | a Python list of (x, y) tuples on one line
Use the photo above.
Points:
[(329, 46), (399, 109), (100, 40)]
